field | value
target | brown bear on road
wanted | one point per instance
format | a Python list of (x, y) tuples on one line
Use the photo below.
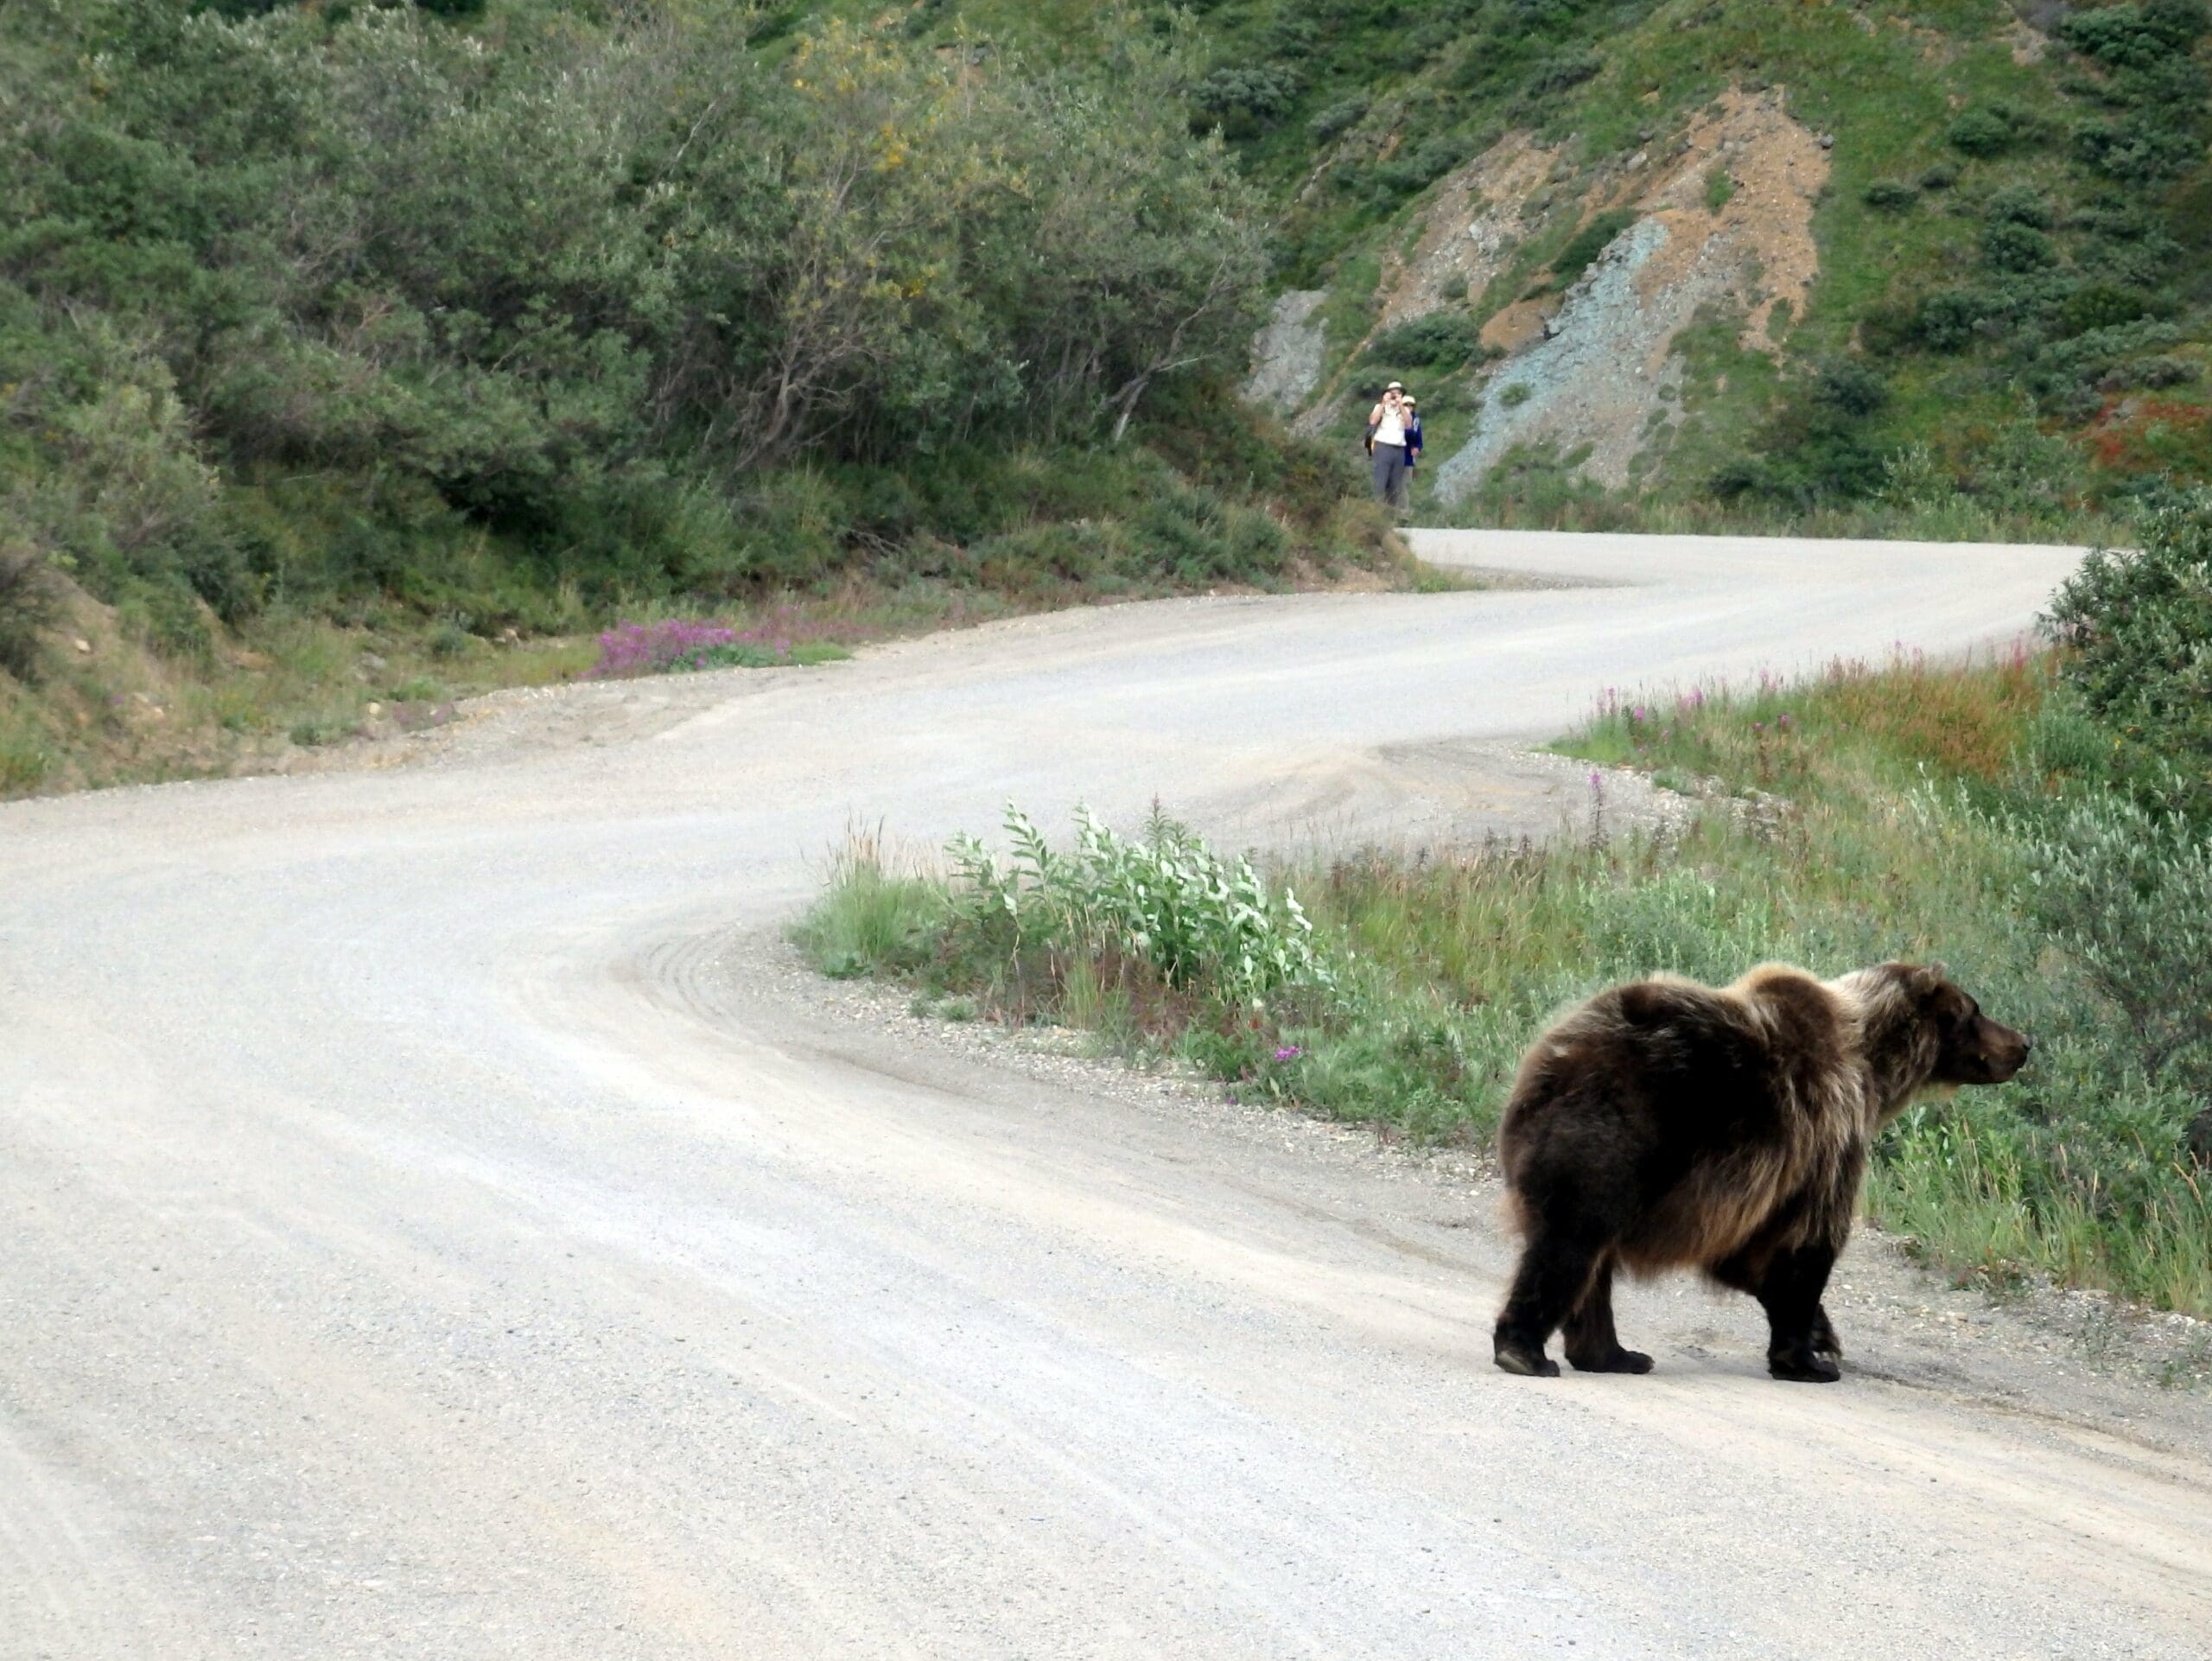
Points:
[(1665, 1124)]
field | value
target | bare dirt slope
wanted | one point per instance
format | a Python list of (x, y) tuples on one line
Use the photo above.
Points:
[(426, 1238)]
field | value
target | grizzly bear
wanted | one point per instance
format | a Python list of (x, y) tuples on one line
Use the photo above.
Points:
[(1665, 1124)]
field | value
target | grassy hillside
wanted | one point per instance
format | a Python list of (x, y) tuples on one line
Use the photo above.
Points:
[(346, 351), (2001, 320)]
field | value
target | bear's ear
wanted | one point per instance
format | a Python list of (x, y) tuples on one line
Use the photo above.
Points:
[(1924, 980)]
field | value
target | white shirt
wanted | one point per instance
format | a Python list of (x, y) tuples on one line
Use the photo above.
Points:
[(1393, 429)]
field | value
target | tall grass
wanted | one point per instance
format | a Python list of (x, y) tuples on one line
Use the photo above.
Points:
[(1868, 814)]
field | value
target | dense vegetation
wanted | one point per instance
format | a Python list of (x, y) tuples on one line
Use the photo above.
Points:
[(2023, 821), (513, 316)]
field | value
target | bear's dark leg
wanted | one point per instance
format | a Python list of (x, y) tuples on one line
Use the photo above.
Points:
[(1592, 1344), (1747, 1271), (1791, 1293), (1555, 1271)]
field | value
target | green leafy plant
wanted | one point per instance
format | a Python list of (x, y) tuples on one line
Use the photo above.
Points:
[(2137, 626), (2126, 891), (1163, 898)]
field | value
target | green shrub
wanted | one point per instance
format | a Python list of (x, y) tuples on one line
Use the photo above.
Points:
[(2008, 245), (1981, 131), (2135, 36), (28, 607), (2147, 148), (2020, 204), (1163, 898), (1563, 70), (1440, 340), (1890, 195), (2127, 893), (1262, 93), (2103, 305), (1950, 320), (2137, 626), (1337, 119)]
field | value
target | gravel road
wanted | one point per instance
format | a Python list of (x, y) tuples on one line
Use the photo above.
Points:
[(426, 1236)]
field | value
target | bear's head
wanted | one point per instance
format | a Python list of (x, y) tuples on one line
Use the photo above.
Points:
[(1970, 1047)]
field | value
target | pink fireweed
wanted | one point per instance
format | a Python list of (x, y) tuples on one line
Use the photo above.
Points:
[(678, 644)]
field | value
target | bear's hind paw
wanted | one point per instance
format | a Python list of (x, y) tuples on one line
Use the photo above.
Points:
[(1621, 1360)]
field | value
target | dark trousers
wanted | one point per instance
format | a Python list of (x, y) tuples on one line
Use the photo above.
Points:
[(1390, 474)]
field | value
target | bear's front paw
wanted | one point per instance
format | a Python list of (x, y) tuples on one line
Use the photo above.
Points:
[(1802, 1365), (1528, 1362)]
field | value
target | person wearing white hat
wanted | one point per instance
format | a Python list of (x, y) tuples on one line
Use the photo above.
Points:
[(1386, 442)]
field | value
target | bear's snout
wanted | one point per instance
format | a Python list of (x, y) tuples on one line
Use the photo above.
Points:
[(2001, 1050)]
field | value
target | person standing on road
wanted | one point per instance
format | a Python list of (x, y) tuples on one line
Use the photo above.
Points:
[(1386, 442)]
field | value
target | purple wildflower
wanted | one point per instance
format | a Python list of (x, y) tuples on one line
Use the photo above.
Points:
[(1288, 1052)]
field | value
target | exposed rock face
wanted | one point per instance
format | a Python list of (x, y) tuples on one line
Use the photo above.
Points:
[(1287, 354), (1595, 367), (1592, 376)]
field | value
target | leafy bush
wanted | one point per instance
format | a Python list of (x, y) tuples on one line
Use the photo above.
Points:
[(1338, 118), (1981, 131), (2135, 36), (1264, 91), (1817, 447), (2137, 629), (1949, 320), (1415, 167), (1890, 195), (1564, 70), (2102, 305), (2008, 245), (28, 608), (2143, 149), (2020, 204), (1849, 387), (2126, 892), (1447, 339)]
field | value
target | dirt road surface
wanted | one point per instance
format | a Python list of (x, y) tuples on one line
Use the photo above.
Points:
[(416, 1239)]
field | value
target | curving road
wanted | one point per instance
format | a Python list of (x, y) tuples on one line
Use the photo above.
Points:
[(420, 1236)]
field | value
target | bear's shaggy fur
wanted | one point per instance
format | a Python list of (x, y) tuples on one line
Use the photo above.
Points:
[(1665, 1124)]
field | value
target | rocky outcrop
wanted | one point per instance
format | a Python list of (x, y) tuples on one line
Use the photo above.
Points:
[(1286, 355)]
